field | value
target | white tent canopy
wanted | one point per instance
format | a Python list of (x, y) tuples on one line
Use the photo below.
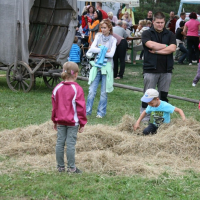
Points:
[(187, 2), (115, 1)]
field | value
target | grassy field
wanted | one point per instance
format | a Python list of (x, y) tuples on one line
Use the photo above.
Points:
[(20, 110)]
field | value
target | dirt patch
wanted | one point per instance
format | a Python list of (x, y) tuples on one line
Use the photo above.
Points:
[(107, 149)]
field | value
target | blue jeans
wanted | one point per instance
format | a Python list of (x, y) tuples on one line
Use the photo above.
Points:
[(68, 135), (92, 93), (185, 53)]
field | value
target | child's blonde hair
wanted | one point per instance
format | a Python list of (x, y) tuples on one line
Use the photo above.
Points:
[(69, 70)]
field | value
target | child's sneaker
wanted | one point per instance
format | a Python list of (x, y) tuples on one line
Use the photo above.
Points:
[(99, 116), (193, 84), (61, 169), (74, 171)]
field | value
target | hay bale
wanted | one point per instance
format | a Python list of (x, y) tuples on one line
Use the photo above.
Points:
[(115, 150)]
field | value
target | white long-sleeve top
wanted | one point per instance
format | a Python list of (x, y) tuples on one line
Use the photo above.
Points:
[(95, 49), (138, 33)]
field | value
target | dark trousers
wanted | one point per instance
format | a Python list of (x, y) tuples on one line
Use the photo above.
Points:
[(151, 128), (141, 54), (193, 41), (185, 53), (120, 54)]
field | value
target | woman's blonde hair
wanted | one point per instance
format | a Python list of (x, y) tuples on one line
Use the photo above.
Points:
[(110, 14), (129, 18), (108, 23), (143, 22), (69, 70)]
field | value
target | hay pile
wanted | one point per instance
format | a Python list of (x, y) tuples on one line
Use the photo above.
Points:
[(109, 150)]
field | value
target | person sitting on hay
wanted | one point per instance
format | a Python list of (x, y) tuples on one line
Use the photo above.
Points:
[(159, 112)]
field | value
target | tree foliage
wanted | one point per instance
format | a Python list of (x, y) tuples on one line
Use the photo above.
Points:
[(166, 6)]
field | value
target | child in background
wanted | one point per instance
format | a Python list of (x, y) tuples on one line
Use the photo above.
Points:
[(68, 116), (160, 111), (74, 54)]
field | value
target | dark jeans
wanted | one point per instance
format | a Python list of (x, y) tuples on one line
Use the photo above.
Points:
[(193, 41), (151, 128), (120, 54), (185, 53), (141, 54)]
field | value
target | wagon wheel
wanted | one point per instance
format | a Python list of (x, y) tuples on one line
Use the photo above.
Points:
[(21, 78), (83, 71), (87, 73), (52, 81)]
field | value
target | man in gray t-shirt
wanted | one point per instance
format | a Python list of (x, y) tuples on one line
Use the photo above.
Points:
[(119, 30)]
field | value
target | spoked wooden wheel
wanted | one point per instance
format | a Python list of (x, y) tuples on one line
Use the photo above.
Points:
[(52, 81), (20, 78)]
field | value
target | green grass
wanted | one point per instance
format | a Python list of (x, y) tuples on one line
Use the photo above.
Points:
[(19, 110), (42, 185)]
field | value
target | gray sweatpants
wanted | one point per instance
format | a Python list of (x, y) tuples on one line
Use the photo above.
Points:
[(68, 135), (161, 81)]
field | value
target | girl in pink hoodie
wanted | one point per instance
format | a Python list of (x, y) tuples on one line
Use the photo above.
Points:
[(68, 116)]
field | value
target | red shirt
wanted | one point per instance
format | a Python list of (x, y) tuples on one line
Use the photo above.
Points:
[(68, 104), (172, 25), (104, 14)]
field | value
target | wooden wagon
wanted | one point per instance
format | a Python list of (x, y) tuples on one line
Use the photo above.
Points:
[(36, 37)]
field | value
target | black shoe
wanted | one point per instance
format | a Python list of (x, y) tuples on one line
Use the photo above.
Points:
[(180, 63), (61, 169), (76, 171)]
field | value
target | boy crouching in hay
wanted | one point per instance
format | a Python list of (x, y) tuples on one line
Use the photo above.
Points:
[(68, 116), (159, 112)]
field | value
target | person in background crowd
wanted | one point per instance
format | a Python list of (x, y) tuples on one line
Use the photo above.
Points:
[(182, 18), (94, 26), (90, 12), (129, 32), (171, 24), (149, 16), (126, 17), (120, 54), (112, 18), (149, 24), (74, 54), (159, 45), (79, 17), (180, 43), (191, 30), (178, 52), (102, 68), (99, 7), (138, 33), (119, 13), (85, 20), (119, 30)]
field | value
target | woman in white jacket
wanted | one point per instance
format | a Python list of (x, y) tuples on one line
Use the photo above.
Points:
[(105, 44), (137, 46)]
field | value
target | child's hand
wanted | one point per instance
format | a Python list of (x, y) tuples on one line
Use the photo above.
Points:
[(55, 126), (136, 126), (108, 50), (81, 129)]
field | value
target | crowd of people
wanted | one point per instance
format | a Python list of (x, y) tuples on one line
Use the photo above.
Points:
[(107, 39)]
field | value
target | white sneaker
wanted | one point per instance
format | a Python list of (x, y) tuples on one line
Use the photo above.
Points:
[(193, 84), (190, 63), (98, 116)]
